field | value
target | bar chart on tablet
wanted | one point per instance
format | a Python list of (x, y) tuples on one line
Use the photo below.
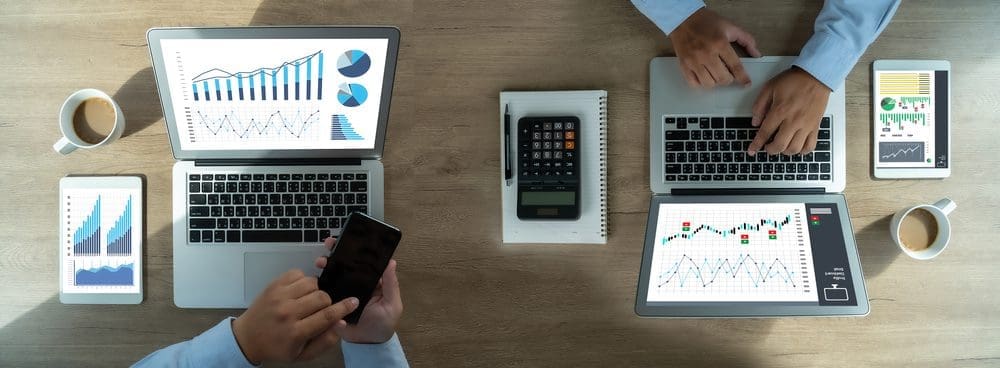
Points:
[(100, 240), (732, 252)]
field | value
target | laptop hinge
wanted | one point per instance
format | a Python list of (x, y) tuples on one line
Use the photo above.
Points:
[(281, 162), (745, 191)]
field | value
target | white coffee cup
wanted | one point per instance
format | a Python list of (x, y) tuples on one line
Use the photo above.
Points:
[(940, 211), (70, 141)]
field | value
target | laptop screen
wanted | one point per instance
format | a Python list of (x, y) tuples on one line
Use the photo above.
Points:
[(275, 94)]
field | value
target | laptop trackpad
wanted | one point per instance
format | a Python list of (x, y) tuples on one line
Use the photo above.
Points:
[(261, 268)]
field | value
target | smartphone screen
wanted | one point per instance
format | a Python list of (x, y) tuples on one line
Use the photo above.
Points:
[(356, 263)]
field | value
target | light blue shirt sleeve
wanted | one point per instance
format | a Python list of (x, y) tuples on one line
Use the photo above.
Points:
[(216, 347), (668, 14), (388, 354), (843, 30)]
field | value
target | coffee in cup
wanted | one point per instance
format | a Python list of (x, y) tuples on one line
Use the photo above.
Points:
[(918, 230), (89, 118), (94, 120), (923, 231)]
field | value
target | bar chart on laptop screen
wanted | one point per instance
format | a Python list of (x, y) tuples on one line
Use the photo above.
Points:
[(732, 253), (101, 241), (275, 94)]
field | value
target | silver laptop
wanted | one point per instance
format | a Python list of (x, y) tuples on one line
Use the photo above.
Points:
[(278, 133), (732, 235), (698, 138)]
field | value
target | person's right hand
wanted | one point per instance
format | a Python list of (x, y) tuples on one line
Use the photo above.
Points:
[(292, 319), (702, 43), (378, 321)]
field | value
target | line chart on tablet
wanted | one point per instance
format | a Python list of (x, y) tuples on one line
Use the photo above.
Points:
[(732, 252)]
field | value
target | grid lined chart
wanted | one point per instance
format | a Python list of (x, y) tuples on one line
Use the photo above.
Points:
[(101, 240), (748, 252)]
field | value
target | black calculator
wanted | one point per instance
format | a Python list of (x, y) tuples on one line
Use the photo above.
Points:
[(548, 180)]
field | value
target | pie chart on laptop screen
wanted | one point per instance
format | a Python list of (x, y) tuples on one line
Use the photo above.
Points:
[(352, 94), (354, 63)]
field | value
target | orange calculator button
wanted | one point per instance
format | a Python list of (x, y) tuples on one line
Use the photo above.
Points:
[(570, 135), (570, 144)]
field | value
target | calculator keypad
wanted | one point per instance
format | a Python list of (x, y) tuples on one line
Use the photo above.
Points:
[(548, 150)]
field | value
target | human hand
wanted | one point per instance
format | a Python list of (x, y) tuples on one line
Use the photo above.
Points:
[(707, 59), (789, 107), (380, 316), (290, 320)]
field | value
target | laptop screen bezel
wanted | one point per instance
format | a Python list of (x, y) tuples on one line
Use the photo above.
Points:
[(155, 35)]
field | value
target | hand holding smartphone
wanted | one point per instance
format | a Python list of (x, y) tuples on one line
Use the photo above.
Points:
[(358, 260)]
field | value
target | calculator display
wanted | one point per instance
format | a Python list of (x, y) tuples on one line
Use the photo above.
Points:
[(548, 198)]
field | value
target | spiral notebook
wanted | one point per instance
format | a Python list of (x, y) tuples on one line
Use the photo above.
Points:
[(591, 108)]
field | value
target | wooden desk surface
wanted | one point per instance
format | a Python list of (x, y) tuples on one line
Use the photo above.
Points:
[(469, 301)]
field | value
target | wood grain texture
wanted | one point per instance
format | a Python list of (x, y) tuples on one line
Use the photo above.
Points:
[(469, 301)]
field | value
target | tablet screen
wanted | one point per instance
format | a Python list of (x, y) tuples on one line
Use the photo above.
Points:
[(911, 119), (101, 240), (780, 253)]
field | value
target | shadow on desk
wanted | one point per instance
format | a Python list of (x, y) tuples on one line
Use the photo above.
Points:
[(876, 249), (139, 101)]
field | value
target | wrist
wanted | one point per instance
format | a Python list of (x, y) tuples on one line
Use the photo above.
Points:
[(812, 78), (687, 23), (244, 342)]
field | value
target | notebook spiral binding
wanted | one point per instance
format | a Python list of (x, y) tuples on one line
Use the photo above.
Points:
[(603, 167)]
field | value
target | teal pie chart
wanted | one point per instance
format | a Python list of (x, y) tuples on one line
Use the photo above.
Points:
[(352, 94)]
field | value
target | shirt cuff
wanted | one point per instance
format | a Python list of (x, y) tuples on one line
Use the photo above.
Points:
[(386, 354), (218, 347), (828, 58), (668, 14)]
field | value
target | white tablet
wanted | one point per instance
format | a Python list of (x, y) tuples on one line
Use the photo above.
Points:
[(912, 119), (100, 240), (750, 256)]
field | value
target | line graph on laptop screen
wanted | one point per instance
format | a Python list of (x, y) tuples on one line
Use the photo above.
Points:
[(749, 252), (275, 93)]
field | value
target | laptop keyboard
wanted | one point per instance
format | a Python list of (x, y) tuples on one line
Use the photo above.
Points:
[(714, 149), (267, 208)]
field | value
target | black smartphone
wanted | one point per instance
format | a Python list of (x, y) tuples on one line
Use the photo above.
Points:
[(356, 263)]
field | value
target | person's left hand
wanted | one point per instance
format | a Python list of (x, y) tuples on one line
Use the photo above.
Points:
[(789, 107)]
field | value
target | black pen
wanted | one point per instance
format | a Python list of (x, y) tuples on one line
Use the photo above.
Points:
[(506, 145)]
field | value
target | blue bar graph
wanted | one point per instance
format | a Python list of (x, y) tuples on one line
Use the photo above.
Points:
[(207, 86), (239, 80), (285, 70), (87, 237), (263, 88), (341, 130), (274, 86), (319, 79), (120, 236), (309, 72), (251, 89)]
